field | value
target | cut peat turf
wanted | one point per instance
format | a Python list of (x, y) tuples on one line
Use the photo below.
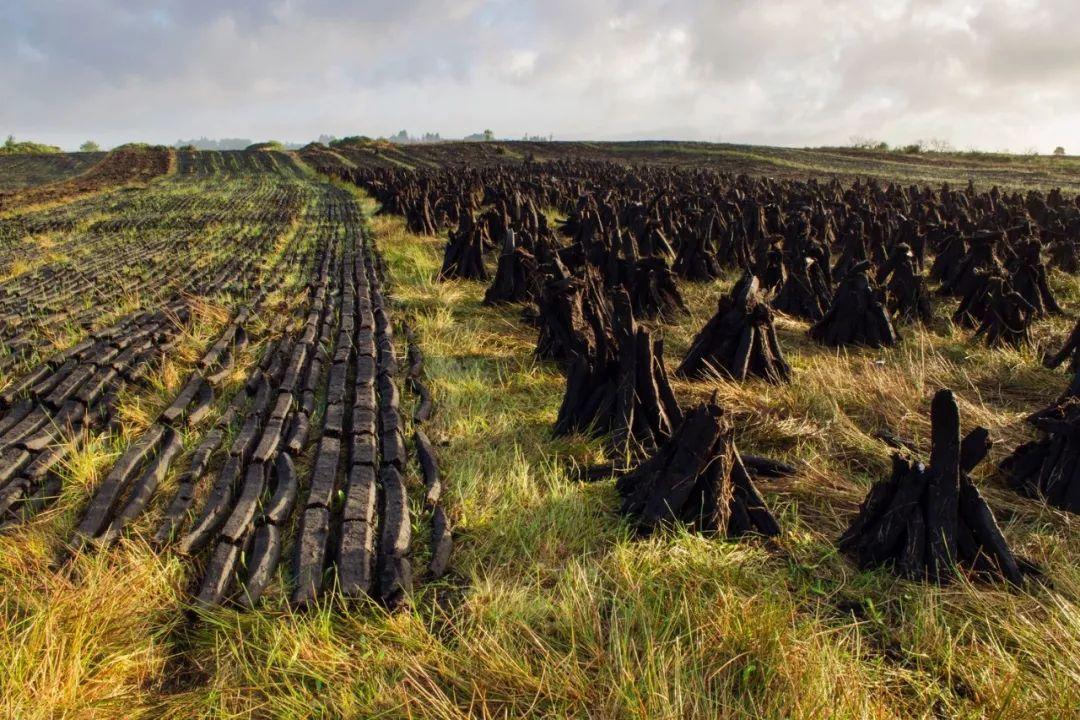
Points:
[(929, 522)]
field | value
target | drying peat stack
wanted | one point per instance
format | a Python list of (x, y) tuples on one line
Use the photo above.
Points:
[(1049, 468), (971, 270), (653, 292), (926, 522), (906, 294), (698, 478), (856, 316), (1071, 348), (696, 260), (621, 389), (464, 255), (739, 340), (1065, 254), (1027, 276), (974, 304), (805, 290), (516, 277), (574, 315), (950, 253), (1006, 316)]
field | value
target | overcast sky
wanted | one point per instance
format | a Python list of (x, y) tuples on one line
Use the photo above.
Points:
[(991, 74)]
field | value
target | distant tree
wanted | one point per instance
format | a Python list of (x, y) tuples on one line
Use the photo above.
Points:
[(939, 145), (12, 146), (865, 143), (1059, 150), (90, 146), (351, 140), (488, 136)]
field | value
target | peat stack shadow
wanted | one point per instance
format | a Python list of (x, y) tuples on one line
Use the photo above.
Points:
[(697, 478), (740, 339), (929, 523), (857, 315)]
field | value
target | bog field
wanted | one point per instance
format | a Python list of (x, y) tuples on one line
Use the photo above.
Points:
[(539, 430)]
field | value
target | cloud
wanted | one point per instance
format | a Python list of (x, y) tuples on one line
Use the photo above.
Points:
[(986, 73)]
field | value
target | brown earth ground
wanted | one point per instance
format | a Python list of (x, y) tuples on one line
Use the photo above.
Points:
[(126, 165), (1018, 172)]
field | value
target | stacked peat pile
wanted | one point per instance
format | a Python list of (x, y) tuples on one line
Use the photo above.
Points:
[(739, 340), (950, 252), (1006, 316), (806, 286), (516, 277), (930, 522), (464, 255), (574, 315), (906, 294), (696, 258), (698, 478), (1049, 468), (1065, 254), (857, 316), (652, 289), (971, 270), (1071, 348), (974, 304), (619, 387), (1027, 276)]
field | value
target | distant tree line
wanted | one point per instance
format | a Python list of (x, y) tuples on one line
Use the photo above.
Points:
[(205, 143), (933, 145), (25, 147), (402, 137)]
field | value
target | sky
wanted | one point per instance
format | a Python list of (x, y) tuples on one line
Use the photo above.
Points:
[(986, 74)]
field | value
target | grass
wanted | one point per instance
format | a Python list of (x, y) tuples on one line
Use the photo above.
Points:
[(552, 608)]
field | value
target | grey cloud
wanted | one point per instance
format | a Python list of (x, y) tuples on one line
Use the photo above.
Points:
[(991, 73)]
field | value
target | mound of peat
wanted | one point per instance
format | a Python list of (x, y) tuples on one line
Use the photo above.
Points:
[(739, 340), (697, 477), (1049, 468), (928, 523), (857, 315)]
